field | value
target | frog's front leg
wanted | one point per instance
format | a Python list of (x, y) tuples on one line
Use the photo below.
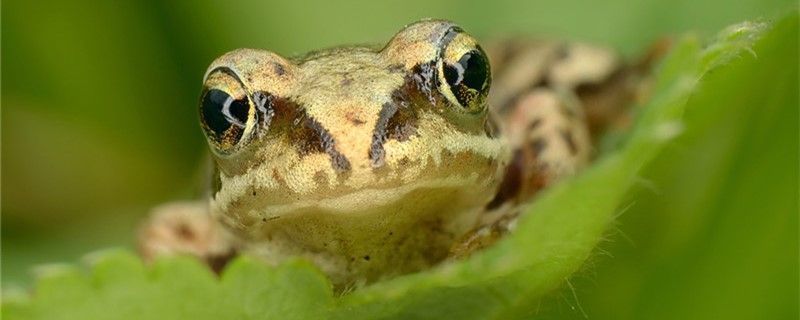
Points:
[(550, 139), (185, 228)]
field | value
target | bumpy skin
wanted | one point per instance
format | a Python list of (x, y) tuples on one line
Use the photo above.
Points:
[(374, 163)]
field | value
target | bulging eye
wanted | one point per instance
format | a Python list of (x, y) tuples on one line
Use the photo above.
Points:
[(226, 117), (466, 74)]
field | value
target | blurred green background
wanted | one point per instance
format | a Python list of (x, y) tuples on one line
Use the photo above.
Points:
[(99, 124)]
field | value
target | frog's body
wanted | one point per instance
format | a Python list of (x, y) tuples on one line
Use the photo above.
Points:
[(374, 163)]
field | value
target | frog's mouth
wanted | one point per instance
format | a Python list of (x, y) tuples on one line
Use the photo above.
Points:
[(263, 204), (366, 199), (448, 206), (468, 174)]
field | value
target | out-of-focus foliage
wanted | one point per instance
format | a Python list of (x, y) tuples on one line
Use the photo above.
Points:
[(506, 281), (712, 232)]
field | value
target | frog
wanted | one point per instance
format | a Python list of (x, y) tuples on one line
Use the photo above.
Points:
[(375, 162)]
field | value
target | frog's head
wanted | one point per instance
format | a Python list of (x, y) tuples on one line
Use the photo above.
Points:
[(342, 132)]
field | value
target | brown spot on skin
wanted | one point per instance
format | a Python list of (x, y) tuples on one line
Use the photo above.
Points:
[(320, 177), (347, 79), (563, 52), (535, 124), (279, 70), (396, 68), (354, 119), (569, 139), (185, 232), (265, 220), (538, 145)]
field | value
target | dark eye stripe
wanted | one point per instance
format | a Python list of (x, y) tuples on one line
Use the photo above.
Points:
[(309, 136), (379, 135), (395, 121), (338, 161)]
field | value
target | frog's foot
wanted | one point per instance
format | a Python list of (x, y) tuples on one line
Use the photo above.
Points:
[(548, 132), (503, 221), (185, 228)]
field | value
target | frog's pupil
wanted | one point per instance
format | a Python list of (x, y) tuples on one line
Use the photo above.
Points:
[(220, 111), (475, 69), (471, 71), (468, 78)]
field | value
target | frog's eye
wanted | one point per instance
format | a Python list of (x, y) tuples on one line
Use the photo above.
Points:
[(226, 113), (464, 73), (223, 115)]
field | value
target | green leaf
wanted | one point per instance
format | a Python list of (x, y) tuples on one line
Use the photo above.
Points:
[(718, 238), (552, 241), (120, 287)]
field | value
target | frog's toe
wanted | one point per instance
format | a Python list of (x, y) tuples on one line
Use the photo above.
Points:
[(184, 228)]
